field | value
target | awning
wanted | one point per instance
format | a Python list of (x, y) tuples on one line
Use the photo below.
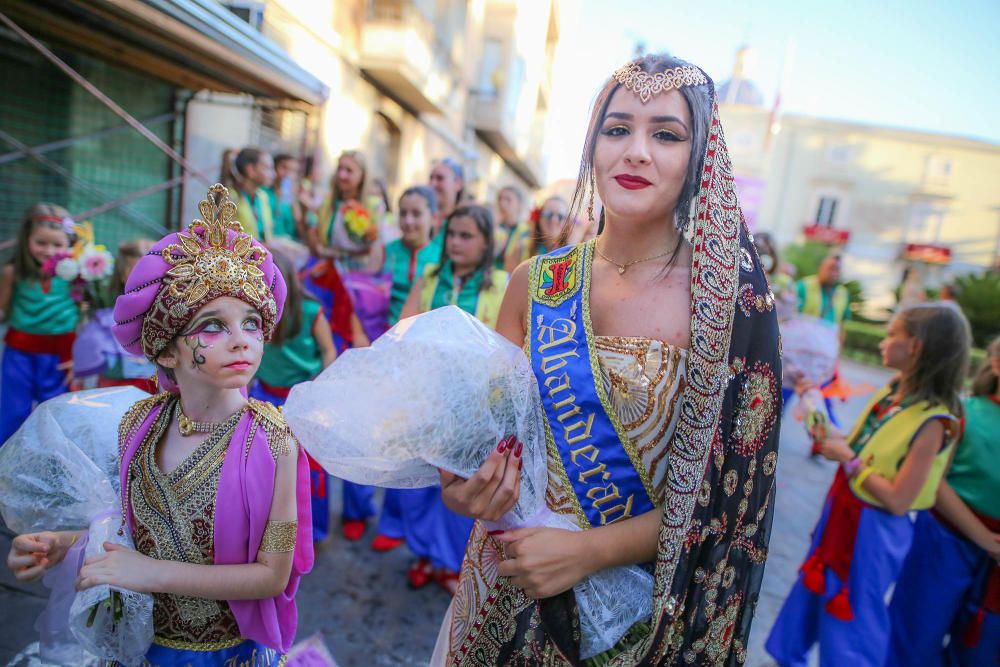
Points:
[(194, 44)]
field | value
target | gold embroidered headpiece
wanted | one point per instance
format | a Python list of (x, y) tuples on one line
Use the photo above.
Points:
[(646, 85), (212, 258)]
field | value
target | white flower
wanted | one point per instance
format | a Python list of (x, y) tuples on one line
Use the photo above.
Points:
[(95, 263), (68, 269)]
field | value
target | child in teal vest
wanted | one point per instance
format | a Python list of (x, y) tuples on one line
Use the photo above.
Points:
[(41, 316), (301, 347)]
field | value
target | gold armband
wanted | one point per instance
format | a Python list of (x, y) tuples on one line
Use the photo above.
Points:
[(279, 537)]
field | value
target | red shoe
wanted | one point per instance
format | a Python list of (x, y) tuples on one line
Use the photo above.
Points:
[(419, 574), (446, 579), (383, 543), (354, 529)]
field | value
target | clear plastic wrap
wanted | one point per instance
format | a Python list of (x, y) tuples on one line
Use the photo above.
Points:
[(59, 471), (440, 390), (810, 348)]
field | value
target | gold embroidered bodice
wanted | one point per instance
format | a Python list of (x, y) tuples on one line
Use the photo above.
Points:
[(174, 519), (644, 379)]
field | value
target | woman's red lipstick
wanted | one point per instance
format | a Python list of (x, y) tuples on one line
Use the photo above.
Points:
[(630, 182)]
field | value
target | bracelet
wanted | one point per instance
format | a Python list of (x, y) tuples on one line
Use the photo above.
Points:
[(851, 467), (279, 537)]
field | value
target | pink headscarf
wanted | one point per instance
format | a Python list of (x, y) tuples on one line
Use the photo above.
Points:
[(185, 270)]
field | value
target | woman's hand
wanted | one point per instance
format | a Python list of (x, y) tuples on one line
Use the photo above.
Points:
[(119, 566), (32, 554), (492, 490), (835, 448), (544, 561)]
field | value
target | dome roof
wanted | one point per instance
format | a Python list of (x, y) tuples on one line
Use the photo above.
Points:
[(740, 91)]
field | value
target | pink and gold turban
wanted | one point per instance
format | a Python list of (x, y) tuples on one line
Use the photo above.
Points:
[(212, 258)]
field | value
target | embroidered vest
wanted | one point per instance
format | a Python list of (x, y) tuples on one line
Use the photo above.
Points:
[(890, 443), (46, 312), (597, 459), (487, 302)]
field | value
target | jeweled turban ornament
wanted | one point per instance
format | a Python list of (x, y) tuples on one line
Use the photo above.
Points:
[(646, 85), (212, 258)]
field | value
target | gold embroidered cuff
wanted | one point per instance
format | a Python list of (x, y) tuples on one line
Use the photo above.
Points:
[(279, 537)]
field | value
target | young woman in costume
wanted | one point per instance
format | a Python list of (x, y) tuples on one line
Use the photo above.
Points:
[(548, 228), (339, 276), (331, 237), (41, 317), (950, 582), (892, 462), (214, 490), (96, 352), (660, 396), (464, 276), (511, 231), (406, 260)]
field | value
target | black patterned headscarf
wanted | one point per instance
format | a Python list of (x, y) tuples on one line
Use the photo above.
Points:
[(721, 461)]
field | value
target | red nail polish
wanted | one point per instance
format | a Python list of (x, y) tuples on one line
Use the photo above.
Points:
[(502, 445), (517, 449), (495, 532)]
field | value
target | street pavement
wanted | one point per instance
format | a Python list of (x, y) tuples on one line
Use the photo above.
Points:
[(358, 603)]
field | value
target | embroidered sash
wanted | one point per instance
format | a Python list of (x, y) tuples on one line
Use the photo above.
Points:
[(599, 461)]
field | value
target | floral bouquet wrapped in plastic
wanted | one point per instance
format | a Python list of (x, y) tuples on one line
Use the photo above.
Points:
[(810, 349), (439, 390), (60, 472)]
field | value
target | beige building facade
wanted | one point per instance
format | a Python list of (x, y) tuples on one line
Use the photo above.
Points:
[(410, 82), (892, 199)]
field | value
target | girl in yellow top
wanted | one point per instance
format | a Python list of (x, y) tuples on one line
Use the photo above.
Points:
[(892, 462)]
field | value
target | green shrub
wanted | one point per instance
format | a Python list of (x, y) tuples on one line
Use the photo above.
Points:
[(980, 301)]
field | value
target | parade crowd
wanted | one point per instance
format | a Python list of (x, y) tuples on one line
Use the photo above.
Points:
[(217, 323)]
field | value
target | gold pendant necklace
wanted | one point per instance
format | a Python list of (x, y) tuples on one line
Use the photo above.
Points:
[(622, 267), (186, 426)]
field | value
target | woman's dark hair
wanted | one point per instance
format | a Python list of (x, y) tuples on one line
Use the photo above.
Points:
[(484, 223), (699, 102), (291, 317), (234, 164), (942, 366), (985, 382), (425, 193), (127, 250), (50, 216), (383, 193)]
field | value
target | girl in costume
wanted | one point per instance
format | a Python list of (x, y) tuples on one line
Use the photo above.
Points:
[(249, 173), (511, 232), (302, 346), (659, 394), (406, 260), (892, 463), (214, 490), (96, 352), (464, 277), (342, 241), (41, 316), (548, 229), (950, 582)]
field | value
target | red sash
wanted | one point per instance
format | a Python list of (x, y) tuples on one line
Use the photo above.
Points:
[(58, 344)]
